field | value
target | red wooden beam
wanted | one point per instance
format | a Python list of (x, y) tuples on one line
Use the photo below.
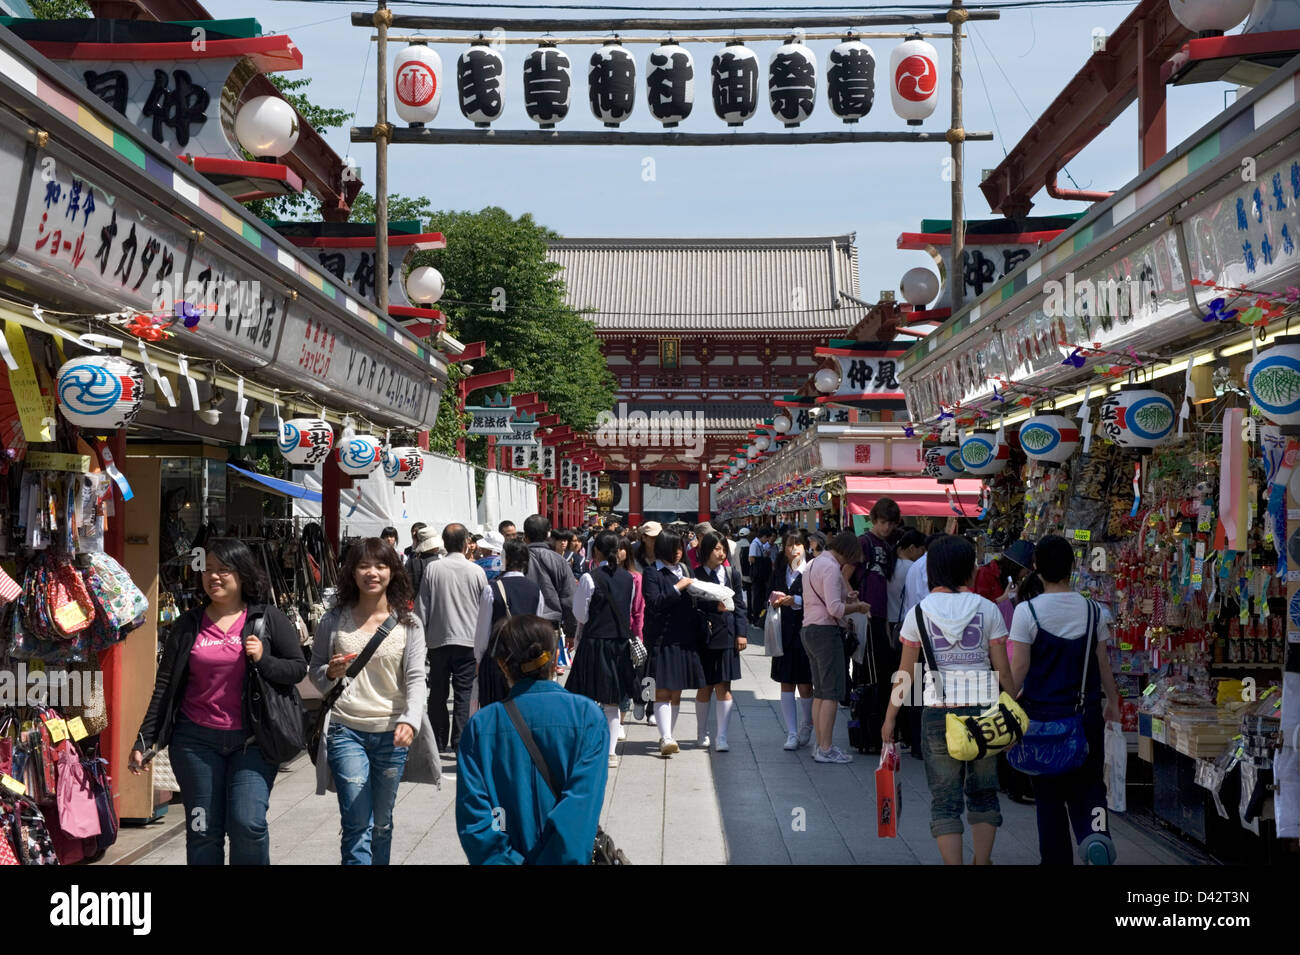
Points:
[(473, 352), (519, 401), (487, 379), (548, 421)]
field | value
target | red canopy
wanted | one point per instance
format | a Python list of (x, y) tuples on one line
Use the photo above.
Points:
[(916, 497)]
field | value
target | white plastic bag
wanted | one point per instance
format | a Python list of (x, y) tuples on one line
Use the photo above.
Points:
[(772, 633), (1116, 768), (862, 630), (707, 591)]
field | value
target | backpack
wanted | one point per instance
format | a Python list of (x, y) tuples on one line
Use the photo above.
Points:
[(115, 594)]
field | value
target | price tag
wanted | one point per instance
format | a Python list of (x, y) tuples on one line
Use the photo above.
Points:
[(58, 730), (77, 729), (1267, 693), (1197, 578), (1125, 667), (1151, 688), (1126, 646), (13, 785), (1083, 535)]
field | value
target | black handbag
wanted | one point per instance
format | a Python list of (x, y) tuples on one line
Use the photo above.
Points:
[(274, 711), (357, 665), (603, 850)]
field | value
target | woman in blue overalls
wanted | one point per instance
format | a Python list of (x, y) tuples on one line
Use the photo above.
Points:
[(1057, 632)]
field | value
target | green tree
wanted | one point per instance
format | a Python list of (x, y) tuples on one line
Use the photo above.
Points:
[(60, 9), (399, 207), (304, 205)]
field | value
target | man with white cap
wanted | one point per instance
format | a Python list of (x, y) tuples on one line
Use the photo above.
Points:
[(489, 550), (426, 549)]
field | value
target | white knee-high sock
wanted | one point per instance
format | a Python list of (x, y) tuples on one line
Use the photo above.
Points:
[(664, 720), (724, 716), (676, 709), (702, 718), (805, 711), (787, 711), (614, 718)]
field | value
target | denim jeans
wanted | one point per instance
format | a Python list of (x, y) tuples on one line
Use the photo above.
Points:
[(1069, 801), (948, 777), (225, 788), (367, 768)]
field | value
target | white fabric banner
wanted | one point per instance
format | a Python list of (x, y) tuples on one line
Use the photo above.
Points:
[(506, 498), (443, 493)]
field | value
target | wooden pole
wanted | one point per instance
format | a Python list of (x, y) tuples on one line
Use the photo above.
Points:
[(381, 20), (418, 22), (956, 135), (677, 38), (614, 137)]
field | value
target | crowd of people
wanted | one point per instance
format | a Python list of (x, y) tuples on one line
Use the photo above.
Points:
[(454, 648)]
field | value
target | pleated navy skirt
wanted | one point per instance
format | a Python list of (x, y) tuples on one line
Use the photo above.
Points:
[(720, 666), (792, 665), (675, 666), (602, 671)]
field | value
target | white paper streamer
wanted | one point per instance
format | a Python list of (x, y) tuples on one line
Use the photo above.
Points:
[(1085, 415), (164, 386), (184, 366), (241, 404), (6, 354), (1186, 411)]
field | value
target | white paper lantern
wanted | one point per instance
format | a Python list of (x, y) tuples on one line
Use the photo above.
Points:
[(359, 454), (403, 465), (267, 126), (479, 71), (1273, 380), (611, 84), (1138, 418), (306, 442), (425, 285), (919, 286), (742, 464), (914, 80), (752, 451), (735, 75), (417, 84), (792, 83), (547, 82), (670, 84), (851, 80), (100, 392), (982, 455), (1211, 16), (944, 464), (1049, 438), (763, 442), (782, 423), (827, 380)]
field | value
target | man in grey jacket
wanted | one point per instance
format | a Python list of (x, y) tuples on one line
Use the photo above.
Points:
[(448, 603), (551, 572)]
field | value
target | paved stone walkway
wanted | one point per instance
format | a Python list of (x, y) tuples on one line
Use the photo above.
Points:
[(756, 804)]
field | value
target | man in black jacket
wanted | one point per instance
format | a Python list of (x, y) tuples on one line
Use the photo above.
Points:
[(551, 572)]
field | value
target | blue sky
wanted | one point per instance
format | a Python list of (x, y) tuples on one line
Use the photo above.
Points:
[(875, 190)]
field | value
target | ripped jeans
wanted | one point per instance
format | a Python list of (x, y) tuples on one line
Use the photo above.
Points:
[(367, 768)]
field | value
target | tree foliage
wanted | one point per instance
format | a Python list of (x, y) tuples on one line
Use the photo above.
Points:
[(60, 9), (399, 207)]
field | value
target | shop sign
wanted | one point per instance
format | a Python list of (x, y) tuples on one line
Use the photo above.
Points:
[(548, 462), (869, 376), (355, 269), (871, 456), (522, 458), (522, 432), (52, 461), (491, 421)]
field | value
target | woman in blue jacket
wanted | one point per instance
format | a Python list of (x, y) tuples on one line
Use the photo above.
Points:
[(505, 812), (672, 631)]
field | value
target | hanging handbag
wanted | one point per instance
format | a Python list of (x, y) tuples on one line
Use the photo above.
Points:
[(1053, 747), (101, 785), (78, 815), (274, 711), (772, 632), (603, 850), (317, 736), (999, 727), (635, 647)]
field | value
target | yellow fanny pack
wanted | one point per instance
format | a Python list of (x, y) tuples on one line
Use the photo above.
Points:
[(997, 728)]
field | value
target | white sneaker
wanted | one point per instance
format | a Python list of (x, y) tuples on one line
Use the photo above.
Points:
[(668, 746), (805, 735), (792, 742), (832, 755), (703, 741), (613, 762), (722, 746), (622, 733)]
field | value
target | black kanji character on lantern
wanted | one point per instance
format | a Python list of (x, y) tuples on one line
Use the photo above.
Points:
[(1013, 257), (860, 372), (178, 108), (804, 419), (851, 82), (478, 81), (546, 86), (885, 372), (334, 263), (363, 279), (979, 270), (147, 255), (735, 86), (612, 85), (110, 86), (106, 236), (127, 261), (669, 75), (792, 86)]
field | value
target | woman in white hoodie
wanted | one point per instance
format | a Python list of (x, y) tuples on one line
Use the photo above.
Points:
[(969, 641)]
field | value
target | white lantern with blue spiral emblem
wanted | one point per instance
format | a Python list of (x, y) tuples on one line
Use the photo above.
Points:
[(944, 464), (403, 465), (306, 442), (359, 454), (100, 392)]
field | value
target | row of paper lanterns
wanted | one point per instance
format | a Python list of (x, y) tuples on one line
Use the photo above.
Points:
[(611, 78), (103, 393)]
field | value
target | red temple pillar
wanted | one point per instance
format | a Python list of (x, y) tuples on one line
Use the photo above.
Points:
[(705, 512), (329, 501), (633, 495)]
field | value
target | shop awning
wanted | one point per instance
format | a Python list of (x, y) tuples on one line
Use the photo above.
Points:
[(916, 497), (287, 488)]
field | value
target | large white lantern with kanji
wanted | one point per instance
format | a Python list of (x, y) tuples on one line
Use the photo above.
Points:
[(914, 80), (1138, 418), (403, 465), (548, 79), (735, 76), (944, 463), (306, 442), (851, 80), (479, 72), (670, 84), (792, 83), (417, 84), (611, 84), (99, 392)]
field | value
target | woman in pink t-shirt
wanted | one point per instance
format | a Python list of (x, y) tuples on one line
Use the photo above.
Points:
[(200, 707)]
